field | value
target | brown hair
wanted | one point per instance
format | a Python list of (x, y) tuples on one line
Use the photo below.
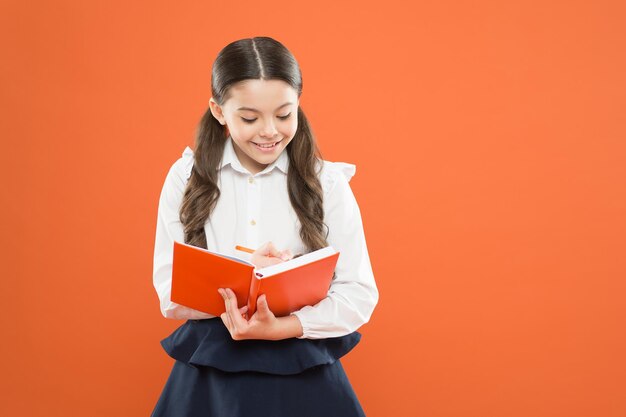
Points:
[(266, 59)]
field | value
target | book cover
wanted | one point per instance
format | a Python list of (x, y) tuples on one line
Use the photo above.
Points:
[(198, 273)]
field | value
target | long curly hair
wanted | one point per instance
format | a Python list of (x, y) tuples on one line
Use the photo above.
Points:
[(260, 58)]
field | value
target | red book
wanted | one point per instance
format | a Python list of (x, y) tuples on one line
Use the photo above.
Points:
[(198, 273)]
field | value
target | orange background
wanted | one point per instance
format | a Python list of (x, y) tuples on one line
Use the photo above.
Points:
[(491, 174)]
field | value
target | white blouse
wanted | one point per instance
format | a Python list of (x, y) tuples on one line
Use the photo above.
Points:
[(254, 209)]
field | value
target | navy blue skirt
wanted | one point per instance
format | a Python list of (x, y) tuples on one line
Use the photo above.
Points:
[(214, 375)]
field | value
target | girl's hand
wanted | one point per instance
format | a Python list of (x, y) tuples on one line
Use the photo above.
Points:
[(262, 325), (268, 255)]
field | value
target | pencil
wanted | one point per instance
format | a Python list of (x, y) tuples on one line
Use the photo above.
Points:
[(244, 249)]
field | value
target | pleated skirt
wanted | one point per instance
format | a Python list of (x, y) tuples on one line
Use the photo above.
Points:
[(214, 375)]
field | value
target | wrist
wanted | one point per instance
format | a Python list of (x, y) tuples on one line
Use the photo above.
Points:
[(288, 327)]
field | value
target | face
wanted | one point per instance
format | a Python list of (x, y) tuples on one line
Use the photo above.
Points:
[(262, 118)]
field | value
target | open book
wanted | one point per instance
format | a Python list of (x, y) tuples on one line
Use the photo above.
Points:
[(198, 273)]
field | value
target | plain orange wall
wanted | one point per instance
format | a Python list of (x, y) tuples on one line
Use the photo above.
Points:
[(489, 139)]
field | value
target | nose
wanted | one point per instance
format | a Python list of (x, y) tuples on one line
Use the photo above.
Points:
[(268, 130)]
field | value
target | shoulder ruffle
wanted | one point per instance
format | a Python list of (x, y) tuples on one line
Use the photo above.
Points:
[(187, 162), (208, 343), (332, 171)]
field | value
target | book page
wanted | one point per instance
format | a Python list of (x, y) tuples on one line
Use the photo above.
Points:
[(223, 255), (296, 262)]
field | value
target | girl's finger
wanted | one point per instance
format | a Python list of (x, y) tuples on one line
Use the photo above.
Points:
[(286, 255), (243, 310), (272, 251), (238, 322), (226, 317), (263, 309), (268, 249), (226, 321), (271, 260)]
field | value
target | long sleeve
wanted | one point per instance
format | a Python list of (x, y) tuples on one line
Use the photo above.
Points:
[(353, 293), (170, 229)]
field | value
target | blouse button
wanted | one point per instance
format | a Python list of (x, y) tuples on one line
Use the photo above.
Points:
[(252, 222), (250, 180)]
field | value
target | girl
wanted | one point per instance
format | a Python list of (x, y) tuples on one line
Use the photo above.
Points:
[(256, 176)]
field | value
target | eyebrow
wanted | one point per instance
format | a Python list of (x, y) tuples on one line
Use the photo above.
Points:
[(255, 110)]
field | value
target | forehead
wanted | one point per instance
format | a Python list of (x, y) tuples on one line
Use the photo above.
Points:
[(264, 95)]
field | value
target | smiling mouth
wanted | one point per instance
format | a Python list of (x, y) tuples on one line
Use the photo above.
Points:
[(267, 145)]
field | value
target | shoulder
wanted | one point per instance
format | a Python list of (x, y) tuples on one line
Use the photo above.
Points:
[(181, 168), (178, 174), (333, 173)]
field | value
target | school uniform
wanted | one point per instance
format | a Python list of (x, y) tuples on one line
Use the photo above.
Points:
[(214, 375)]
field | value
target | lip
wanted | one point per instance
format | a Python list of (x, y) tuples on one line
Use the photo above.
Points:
[(267, 143), (267, 150)]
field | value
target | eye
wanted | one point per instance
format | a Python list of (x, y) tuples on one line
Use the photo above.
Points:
[(285, 117)]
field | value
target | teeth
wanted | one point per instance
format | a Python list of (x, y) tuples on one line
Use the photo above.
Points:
[(266, 146)]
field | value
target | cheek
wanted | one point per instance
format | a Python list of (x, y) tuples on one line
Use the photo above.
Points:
[(290, 128), (242, 130)]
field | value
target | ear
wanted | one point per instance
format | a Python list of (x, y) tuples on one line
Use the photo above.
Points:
[(216, 110)]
